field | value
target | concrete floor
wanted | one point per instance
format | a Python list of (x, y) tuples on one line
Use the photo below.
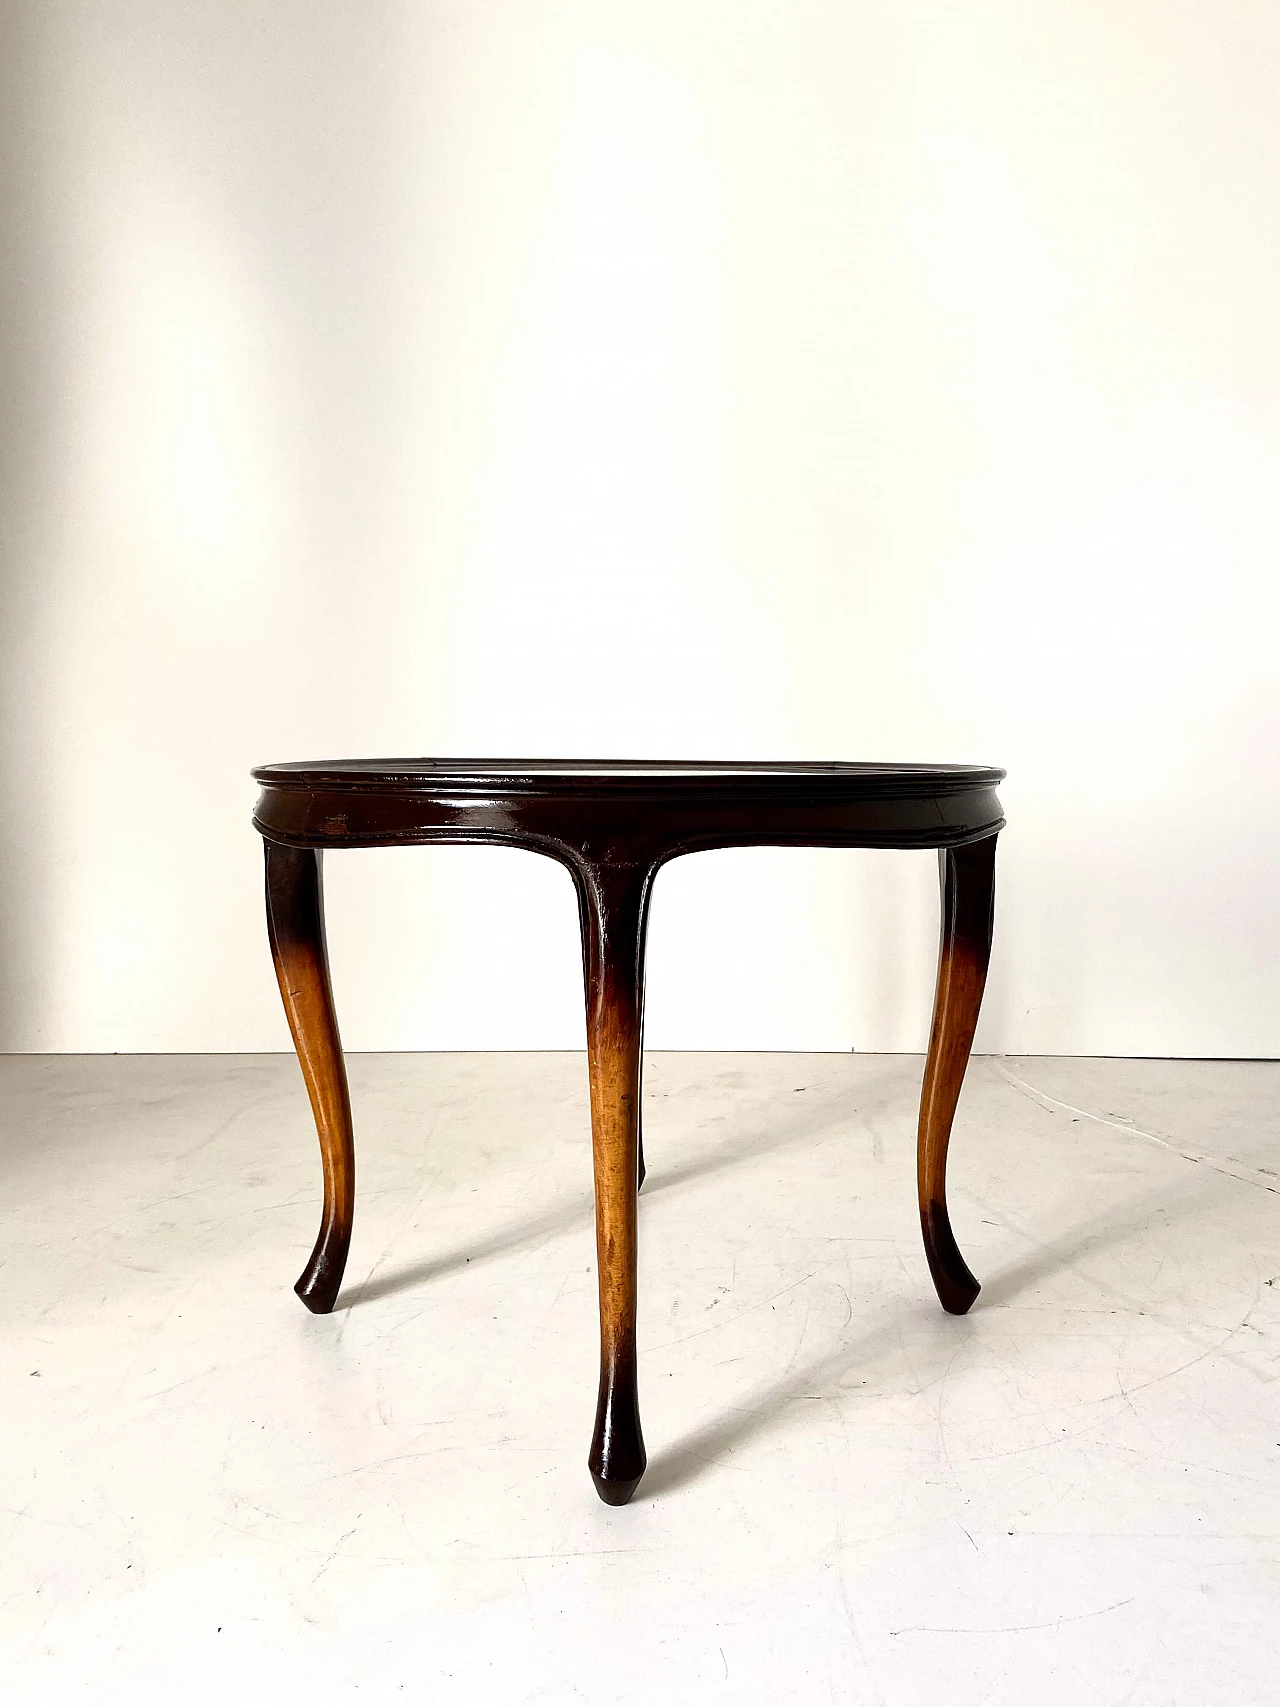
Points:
[(1071, 1495)]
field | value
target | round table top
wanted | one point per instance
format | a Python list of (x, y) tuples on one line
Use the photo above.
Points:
[(574, 776)]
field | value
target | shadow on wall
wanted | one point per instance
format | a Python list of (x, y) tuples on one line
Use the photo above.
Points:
[(165, 404), (29, 435)]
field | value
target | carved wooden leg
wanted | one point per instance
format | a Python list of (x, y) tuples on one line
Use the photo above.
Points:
[(968, 895), (295, 923), (614, 905)]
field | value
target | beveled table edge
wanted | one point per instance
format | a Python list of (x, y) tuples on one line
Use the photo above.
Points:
[(721, 780)]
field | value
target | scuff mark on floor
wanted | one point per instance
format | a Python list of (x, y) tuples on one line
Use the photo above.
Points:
[(1232, 1169)]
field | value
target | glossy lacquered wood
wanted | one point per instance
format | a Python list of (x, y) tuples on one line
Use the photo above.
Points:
[(295, 926), (567, 807), (613, 825), (614, 908), (967, 878)]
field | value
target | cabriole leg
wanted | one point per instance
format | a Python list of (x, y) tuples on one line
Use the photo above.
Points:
[(968, 895), (614, 906), (295, 923)]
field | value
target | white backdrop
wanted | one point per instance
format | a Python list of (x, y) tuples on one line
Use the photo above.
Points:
[(880, 380)]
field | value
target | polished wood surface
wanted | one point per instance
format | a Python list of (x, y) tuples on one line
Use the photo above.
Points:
[(295, 926), (565, 808), (968, 882), (614, 907), (613, 825)]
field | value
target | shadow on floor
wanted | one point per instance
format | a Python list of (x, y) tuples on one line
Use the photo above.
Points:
[(699, 1451), (812, 1116), (757, 1412)]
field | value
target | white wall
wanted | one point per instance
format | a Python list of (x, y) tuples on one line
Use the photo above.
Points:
[(853, 380)]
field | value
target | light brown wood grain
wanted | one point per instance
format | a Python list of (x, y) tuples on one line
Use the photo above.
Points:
[(614, 905), (295, 924)]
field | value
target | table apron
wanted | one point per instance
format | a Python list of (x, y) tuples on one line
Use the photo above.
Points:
[(615, 828)]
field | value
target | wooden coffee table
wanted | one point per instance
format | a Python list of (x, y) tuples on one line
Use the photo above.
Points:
[(613, 826)]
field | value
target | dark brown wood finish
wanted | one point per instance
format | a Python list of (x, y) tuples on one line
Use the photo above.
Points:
[(613, 825), (968, 880), (295, 925)]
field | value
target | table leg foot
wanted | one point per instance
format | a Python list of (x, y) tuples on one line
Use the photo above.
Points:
[(967, 876), (320, 1280), (295, 924), (952, 1279), (615, 1493), (617, 1459)]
